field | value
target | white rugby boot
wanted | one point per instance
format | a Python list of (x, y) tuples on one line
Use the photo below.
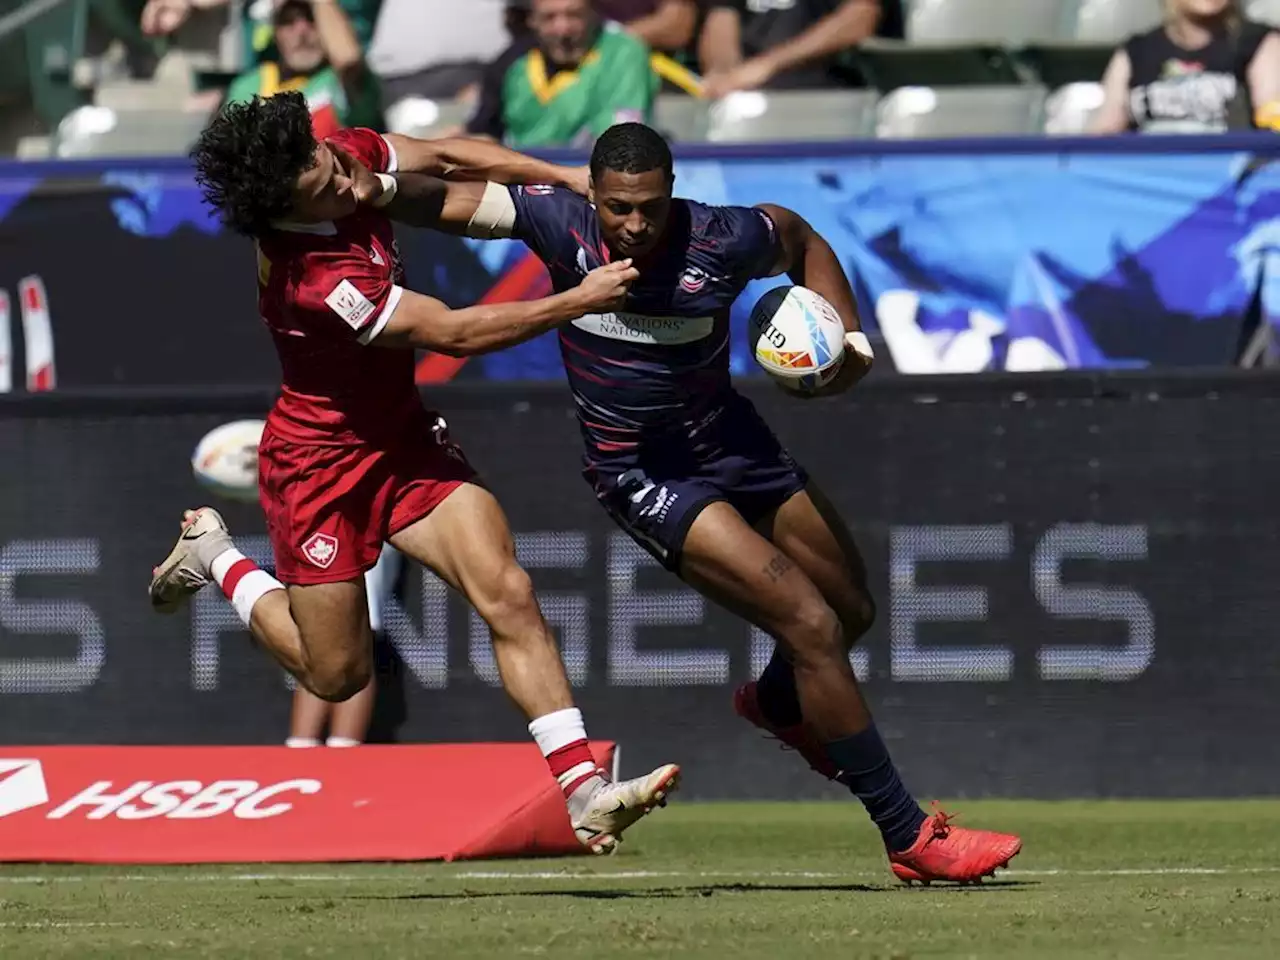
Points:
[(186, 570), (610, 808)]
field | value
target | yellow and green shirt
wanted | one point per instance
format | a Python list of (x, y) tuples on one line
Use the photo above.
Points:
[(526, 102)]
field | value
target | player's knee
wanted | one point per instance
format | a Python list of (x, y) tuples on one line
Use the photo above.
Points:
[(814, 634), (857, 618), (339, 680), (509, 601)]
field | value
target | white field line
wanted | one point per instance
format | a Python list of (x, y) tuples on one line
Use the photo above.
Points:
[(604, 876), (58, 924)]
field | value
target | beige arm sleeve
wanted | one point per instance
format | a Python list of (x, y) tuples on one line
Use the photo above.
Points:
[(495, 215)]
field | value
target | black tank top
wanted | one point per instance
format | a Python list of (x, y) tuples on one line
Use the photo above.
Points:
[(1175, 90)]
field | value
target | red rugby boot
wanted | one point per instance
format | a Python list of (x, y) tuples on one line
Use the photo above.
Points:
[(797, 737), (943, 851)]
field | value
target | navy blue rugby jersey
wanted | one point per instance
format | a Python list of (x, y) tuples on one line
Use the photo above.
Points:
[(661, 365)]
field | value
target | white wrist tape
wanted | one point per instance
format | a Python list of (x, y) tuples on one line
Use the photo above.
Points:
[(389, 187), (859, 344), (495, 216)]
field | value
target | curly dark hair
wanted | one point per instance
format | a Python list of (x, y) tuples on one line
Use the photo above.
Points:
[(631, 148), (250, 156)]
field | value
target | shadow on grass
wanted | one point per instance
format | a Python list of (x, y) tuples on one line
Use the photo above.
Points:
[(670, 893)]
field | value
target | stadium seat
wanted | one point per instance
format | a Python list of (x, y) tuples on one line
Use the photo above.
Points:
[(54, 42), (959, 111), (962, 42), (1110, 21), (1060, 64), (1010, 22), (96, 131), (754, 116), (889, 64), (1268, 11), (1069, 109), (681, 117)]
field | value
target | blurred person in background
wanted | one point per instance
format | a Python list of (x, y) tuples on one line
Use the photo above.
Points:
[(424, 48), (314, 721), (164, 17), (320, 57), (1206, 69), (666, 25), (571, 80), (780, 44)]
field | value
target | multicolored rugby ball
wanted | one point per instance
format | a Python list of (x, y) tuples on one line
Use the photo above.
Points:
[(225, 461), (797, 337)]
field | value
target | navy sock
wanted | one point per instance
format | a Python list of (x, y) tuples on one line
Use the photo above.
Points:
[(868, 771), (776, 693)]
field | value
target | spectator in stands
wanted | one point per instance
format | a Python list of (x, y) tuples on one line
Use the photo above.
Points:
[(259, 27), (164, 17), (666, 25), (1206, 69), (750, 44), (321, 57), (569, 82), (424, 48)]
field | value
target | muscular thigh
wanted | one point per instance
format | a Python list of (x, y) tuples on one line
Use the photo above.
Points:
[(809, 530), (728, 561), (333, 622), (467, 541)]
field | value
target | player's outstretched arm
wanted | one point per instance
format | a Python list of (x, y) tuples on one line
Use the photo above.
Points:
[(426, 323), (464, 159), (482, 210), (809, 261)]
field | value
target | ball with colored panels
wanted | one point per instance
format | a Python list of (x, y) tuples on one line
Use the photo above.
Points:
[(797, 337), (225, 462)]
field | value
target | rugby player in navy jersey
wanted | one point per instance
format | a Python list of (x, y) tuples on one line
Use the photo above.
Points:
[(687, 468)]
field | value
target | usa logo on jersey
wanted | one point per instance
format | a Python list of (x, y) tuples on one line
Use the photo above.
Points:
[(693, 280)]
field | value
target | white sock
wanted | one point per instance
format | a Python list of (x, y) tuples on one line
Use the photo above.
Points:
[(341, 742), (302, 742), (559, 729)]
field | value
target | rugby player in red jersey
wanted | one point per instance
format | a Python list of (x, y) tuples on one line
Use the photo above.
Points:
[(350, 458)]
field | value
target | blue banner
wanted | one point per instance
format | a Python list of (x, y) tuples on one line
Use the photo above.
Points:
[(966, 256), (1048, 260)]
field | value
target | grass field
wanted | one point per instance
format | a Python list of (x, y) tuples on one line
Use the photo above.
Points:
[(1123, 879)]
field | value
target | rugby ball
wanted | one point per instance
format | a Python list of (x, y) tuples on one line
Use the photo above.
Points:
[(225, 462), (797, 337)]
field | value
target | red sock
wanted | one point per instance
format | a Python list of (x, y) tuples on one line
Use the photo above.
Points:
[(562, 738), (235, 574), (572, 766)]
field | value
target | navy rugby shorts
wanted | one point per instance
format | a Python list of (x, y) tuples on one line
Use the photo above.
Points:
[(656, 491)]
